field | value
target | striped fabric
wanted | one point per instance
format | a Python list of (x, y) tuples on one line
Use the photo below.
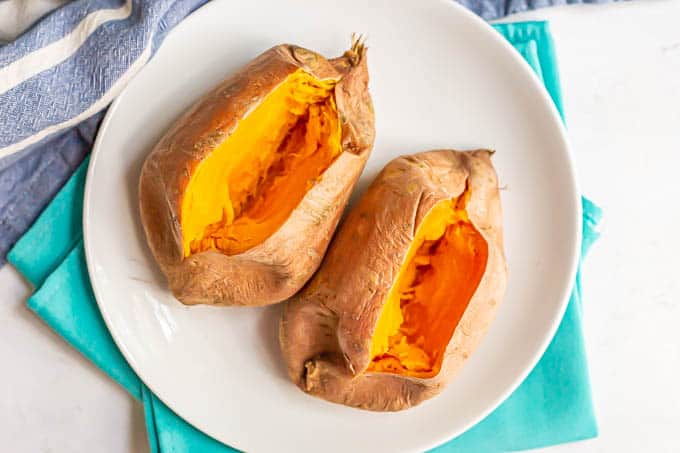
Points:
[(75, 62), (57, 78)]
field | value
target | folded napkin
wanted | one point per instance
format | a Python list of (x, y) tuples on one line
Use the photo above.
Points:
[(553, 404)]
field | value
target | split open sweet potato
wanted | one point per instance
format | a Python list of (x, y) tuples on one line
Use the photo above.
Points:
[(407, 289), (241, 196)]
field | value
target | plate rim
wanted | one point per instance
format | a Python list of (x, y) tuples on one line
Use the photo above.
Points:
[(482, 27)]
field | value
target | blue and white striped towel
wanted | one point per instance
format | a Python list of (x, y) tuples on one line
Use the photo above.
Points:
[(58, 77)]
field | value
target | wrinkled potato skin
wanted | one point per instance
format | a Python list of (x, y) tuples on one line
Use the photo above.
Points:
[(280, 266), (326, 330)]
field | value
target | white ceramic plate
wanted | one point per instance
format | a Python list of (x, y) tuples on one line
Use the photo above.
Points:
[(440, 77)]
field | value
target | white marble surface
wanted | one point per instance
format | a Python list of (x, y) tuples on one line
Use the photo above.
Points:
[(620, 67)]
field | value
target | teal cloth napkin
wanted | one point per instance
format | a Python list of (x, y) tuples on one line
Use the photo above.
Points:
[(553, 405)]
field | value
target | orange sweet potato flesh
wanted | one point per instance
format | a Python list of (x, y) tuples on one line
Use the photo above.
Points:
[(247, 187), (409, 285), (241, 196), (442, 270)]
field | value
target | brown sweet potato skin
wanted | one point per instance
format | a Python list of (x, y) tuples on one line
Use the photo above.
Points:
[(326, 329), (280, 266)]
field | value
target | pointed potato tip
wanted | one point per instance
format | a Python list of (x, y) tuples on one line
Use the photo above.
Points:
[(358, 49)]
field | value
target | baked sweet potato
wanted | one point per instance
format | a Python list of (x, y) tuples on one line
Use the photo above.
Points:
[(241, 196), (407, 289)]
